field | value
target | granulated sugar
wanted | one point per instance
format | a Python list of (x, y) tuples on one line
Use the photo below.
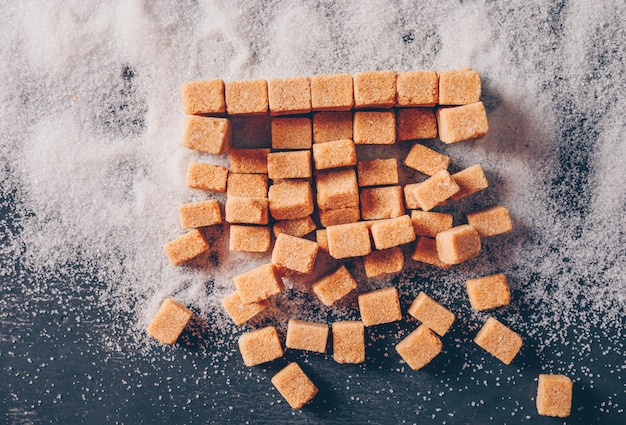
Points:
[(92, 176)]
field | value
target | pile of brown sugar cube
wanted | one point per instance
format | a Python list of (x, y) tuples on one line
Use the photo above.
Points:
[(309, 191)]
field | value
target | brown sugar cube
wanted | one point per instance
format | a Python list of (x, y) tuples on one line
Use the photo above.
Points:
[(322, 240), (244, 210), (431, 192), (378, 263), (260, 346), (332, 92), (500, 341), (207, 177), (382, 202), (169, 321), (374, 128), (432, 314), (258, 284), (337, 189), (293, 384), (298, 227), (470, 180), (335, 154), (417, 88), (290, 199), (488, 292), (375, 89), (459, 87), (203, 97), (458, 244), (426, 252), (200, 214), (416, 123), (249, 160), (490, 222), (392, 232), (293, 253), (289, 165), (207, 134), (348, 240), (329, 126), (185, 247), (247, 185), (426, 160), (249, 238), (291, 133), (428, 223), (349, 342), (240, 312), (308, 336), (339, 216), (462, 122), (380, 306), (554, 395), (335, 286), (289, 95), (377, 172), (419, 347), (247, 97)]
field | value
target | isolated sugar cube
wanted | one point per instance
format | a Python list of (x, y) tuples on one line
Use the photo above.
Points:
[(294, 385), (432, 314), (554, 395), (248, 97), (458, 244), (247, 185), (245, 210), (329, 126), (203, 97), (249, 160), (260, 346), (308, 336), (334, 286), (459, 86), (470, 181), (426, 160), (337, 189), (416, 123), (419, 348), (258, 284), (297, 227), (490, 222), (200, 214), (380, 306), (431, 192), (458, 123), (348, 342), (293, 253), (240, 312), (500, 341), (207, 177), (377, 172), (249, 238), (392, 232), (186, 247), (387, 261), (381, 202), (417, 88), (289, 95), (332, 92), (290, 199), (348, 240), (488, 292), (169, 321), (292, 133), (289, 165), (426, 252), (339, 216), (374, 89), (335, 154), (429, 223), (374, 128), (206, 134)]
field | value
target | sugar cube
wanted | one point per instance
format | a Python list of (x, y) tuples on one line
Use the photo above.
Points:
[(244, 210), (207, 177), (258, 284), (419, 347), (416, 123), (334, 286), (339, 216), (470, 181), (247, 185), (432, 314), (203, 97), (169, 321), (332, 92), (329, 126), (337, 189), (458, 244), (377, 172), (348, 342), (426, 160), (554, 395), (246, 97), (260, 346), (186, 247), (322, 240), (293, 384), (200, 214), (293, 253), (348, 240), (381, 202), (240, 312), (378, 263), (458, 123), (490, 222), (392, 232), (291, 133), (335, 154), (429, 223), (380, 306), (207, 134), (290, 199), (499, 340), (374, 128), (308, 336), (459, 87), (431, 192), (375, 89), (417, 88), (249, 160), (488, 291), (426, 252), (289, 95), (289, 165), (297, 227), (249, 238)]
